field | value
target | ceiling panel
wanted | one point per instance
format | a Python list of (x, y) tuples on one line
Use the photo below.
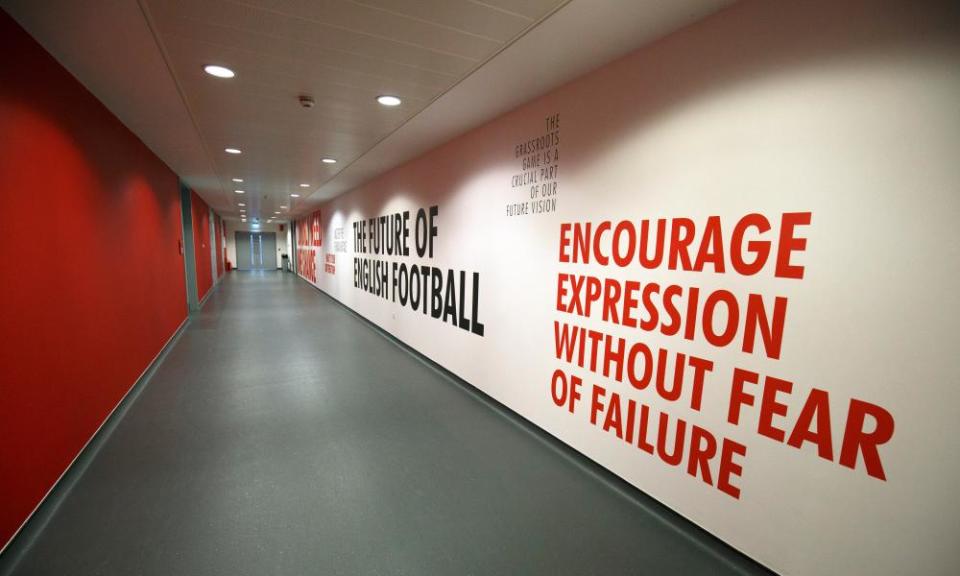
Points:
[(266, 69), (529, 8), (253, 30), (462, 15), (329, 15)]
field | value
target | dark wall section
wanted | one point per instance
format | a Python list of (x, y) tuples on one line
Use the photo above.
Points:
[(218, 225), (201, 244), (92, 277)]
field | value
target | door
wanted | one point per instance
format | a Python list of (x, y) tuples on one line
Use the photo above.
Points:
[(256, 250), (189, 256), (268, 249)]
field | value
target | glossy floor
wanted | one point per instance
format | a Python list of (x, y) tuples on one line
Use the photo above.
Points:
[(283, 435)]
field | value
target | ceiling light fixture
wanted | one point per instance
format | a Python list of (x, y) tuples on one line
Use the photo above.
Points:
[(238, 179), (239, 191), (276, 212), (294, 195), (218, 71), (233, 151), (388, 100), (328, 161), (241, 204), (304, 185)]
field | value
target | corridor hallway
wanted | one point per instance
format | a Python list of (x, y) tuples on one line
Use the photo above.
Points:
[(282, 435)]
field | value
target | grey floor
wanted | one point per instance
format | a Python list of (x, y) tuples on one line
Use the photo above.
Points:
[(283, 435)]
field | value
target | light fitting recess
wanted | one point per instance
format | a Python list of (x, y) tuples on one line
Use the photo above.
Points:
[(304, 185), (388, 100), (239, 191), (328, 161), (218, 71), (294, 195), (237, 179), (233, 151)]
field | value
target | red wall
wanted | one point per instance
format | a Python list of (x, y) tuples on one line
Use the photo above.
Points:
[(93, 280), (201, 243)]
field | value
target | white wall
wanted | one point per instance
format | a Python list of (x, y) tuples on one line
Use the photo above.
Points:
[(847, 111), (233, 226)]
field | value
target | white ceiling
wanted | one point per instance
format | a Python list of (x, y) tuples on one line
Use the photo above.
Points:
[(455, 64)]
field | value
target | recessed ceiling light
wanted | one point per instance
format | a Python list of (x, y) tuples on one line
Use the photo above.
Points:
[(243, 219), (233, 151), (239, 191), (304, 185), (328, 161), (218, 71), (388, 100), (241, 204), (283, 207), (276, 212), (238, 179), (294, 195)]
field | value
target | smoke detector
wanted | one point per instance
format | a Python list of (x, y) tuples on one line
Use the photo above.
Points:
[(306, 101)]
